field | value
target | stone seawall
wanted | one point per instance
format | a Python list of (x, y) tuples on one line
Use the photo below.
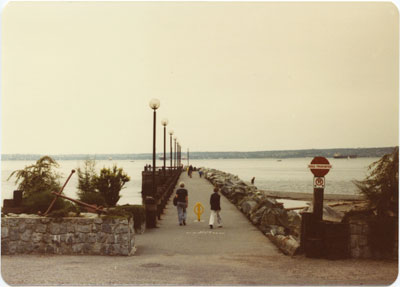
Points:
[(94, 236), (360, 234), (282, 227)]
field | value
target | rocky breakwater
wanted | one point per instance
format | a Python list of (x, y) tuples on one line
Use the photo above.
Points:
[(282, 227)]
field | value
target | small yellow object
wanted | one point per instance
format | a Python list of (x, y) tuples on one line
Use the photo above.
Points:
[(198, 210)]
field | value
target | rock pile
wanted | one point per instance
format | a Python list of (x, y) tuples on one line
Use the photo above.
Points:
[(282, 227)]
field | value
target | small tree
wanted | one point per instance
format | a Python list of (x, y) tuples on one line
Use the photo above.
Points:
[(86, 176), (100, 189), (86, 184), (381, 186), (110, 182), (38, 177), (37, 182)]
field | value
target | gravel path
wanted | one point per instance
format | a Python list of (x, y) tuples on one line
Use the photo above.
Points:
[(237, 254)]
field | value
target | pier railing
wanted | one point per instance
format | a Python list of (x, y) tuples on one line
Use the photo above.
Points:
[(155, 197)]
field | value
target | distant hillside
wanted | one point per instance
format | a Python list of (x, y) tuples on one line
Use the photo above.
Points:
[(359, 152)]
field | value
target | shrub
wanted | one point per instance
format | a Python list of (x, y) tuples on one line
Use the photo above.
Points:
[(100, 189), (38, 177), (381, 188), (110, 182), (138, 212), (86, 177), (93, 198), (40, 201), (117, 213), (37, 182)]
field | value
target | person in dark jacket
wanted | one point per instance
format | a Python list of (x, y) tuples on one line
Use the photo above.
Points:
[(182, 203), (190, 170), (215, 202)]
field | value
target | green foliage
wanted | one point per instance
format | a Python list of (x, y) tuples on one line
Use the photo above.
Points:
[(37, 182), (87, 191), (102, 189), (381, 186), (86, 177), (138, 212), (40, 201), (66, 210), (110, 182), (38, 177), (118, 213), (93, 198)]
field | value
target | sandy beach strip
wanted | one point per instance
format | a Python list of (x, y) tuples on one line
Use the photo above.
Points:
[(309, 196)]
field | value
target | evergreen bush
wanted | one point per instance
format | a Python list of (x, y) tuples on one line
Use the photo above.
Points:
[(381, 189), (37, 182), (102, 189), (110, 182)]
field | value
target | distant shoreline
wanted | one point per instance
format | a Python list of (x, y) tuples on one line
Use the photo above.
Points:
[(280, 154)]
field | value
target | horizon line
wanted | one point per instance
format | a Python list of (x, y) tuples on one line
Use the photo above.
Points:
[(235, 151)]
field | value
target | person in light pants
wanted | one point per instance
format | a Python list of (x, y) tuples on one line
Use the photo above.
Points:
[(215, 202), (182, 203)]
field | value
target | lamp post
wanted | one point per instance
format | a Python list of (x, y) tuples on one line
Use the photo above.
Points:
[(178, 155), (175, 138), (171, 132), (154, 104), (164, 122)]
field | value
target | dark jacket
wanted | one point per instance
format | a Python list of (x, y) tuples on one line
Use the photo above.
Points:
[(215, 201), (182, 194)]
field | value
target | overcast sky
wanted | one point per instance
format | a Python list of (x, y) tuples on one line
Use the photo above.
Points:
[(77, 77)]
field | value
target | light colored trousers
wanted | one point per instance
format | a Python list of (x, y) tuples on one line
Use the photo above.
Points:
[(181, 206), (215, 214)]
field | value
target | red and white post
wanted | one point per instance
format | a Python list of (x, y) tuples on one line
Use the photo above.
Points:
[(319, 166)]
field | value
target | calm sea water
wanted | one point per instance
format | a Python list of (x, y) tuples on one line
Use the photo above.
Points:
[(290, 175)]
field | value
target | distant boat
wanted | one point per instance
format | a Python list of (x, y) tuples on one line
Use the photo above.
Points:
[(338, 155), (110, 158)]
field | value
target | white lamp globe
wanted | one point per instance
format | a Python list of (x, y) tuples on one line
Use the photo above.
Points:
[(154, 104), (164, 122)]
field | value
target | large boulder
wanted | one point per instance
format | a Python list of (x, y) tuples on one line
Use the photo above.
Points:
[(238, 194), (247, 205), (275, 216), (256, 215), (287, 244), (274, 230), (294, 220)]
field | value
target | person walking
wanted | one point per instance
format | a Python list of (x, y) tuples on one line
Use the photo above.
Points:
[(215, 202), (190, 171), (182, 198)]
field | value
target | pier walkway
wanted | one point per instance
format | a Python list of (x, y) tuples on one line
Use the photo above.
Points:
[(237, 254)]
